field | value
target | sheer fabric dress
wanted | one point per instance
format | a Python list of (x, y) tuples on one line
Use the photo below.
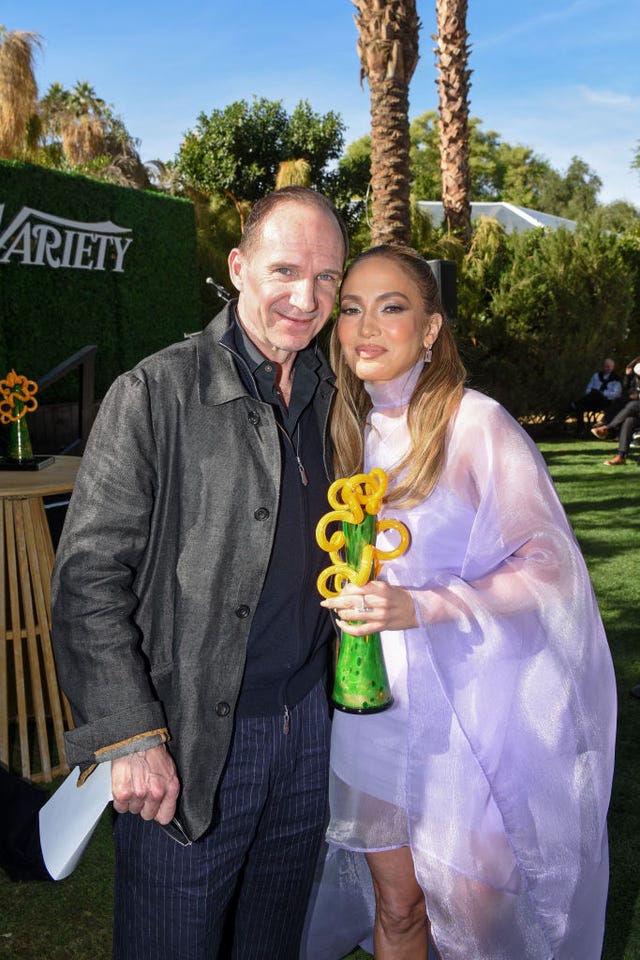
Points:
[(494, 763)]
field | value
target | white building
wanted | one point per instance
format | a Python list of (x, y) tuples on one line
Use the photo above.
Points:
[(514, 219)]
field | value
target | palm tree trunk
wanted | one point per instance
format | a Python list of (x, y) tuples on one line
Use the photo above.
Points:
[(388, 51), (453, 88)]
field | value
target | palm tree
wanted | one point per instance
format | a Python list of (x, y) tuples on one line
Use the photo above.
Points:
[(296, 173), (77, 117), (18, 88), (82, 131), (453, 88), (388, 51)]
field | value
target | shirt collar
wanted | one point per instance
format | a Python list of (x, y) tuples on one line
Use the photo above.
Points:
[(306, 368)]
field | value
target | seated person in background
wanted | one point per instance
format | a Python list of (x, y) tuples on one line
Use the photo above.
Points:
[(624, 424), (603, 387), (630, 390)]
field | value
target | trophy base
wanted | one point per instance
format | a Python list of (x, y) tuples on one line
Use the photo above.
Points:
[(33, 463), (362, 710)]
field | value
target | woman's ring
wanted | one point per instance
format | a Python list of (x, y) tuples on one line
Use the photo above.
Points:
[(364, 608)]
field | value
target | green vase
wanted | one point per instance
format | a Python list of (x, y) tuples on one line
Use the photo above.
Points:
[(19, 448), (361, 683)]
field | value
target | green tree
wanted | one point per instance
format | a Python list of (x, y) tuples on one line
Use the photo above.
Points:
[(635, 163), (237, 151), (629, 244), (619, 216), (521, 176), (501, 171), (498, 171), (348, 185), (425, 157), (540, 309), (354, 168), (316, 138), (574, 195)]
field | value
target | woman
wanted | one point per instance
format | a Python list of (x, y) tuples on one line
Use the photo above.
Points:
[(479, 798)]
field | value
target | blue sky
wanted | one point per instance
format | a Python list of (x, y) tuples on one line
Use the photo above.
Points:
[(560, 76)]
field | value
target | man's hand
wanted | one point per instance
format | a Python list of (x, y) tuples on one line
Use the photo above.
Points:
[(146, 783)]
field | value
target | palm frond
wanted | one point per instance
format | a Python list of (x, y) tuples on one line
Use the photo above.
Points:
[(18, 88)]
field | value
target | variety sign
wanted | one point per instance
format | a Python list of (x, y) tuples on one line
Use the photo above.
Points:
[(34, 238)]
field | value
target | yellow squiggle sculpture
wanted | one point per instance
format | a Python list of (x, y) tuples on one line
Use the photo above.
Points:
[(349, 496)]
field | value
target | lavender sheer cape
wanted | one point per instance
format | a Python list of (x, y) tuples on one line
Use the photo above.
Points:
[(495, 763)]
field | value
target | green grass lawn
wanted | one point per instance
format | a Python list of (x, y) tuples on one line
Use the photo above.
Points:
[(71, 920), (603, 506)]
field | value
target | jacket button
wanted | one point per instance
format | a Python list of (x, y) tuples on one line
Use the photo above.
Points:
[(261, 513), (223, 708), (242, 612), (254, 418)]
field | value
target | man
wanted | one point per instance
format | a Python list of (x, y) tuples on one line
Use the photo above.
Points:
[(623, 426), (188, 635), (603, 387), (622, 417), (630, 390)]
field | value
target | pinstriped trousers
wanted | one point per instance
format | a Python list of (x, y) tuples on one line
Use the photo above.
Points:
[(241, 891)]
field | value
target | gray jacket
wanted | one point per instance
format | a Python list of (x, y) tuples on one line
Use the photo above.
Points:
[(162, 561)]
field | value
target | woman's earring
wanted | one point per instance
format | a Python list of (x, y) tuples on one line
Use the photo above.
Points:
[(427, 354)]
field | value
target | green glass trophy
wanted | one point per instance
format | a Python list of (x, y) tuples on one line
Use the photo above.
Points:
[(17, 398), (361, 684)]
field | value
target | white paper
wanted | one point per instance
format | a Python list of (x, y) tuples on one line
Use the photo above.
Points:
[(69, 817)]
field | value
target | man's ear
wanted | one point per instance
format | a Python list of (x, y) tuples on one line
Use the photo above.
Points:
[(234, 261)]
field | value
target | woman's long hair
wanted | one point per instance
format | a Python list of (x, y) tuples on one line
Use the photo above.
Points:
[(435, 399)]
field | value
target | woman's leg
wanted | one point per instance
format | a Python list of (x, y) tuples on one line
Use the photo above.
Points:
[(401, 927)]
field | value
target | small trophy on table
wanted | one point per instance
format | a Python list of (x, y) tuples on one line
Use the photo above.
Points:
[(17, 398), (361, 683)]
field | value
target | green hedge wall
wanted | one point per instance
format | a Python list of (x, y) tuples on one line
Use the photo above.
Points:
[(47, 313)]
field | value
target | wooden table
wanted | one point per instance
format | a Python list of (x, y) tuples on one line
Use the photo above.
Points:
[(28, 680)]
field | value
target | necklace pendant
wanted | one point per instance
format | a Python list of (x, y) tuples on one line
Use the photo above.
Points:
[(303, 472)]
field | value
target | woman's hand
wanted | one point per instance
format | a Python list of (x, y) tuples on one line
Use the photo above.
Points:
[(376, 606)]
